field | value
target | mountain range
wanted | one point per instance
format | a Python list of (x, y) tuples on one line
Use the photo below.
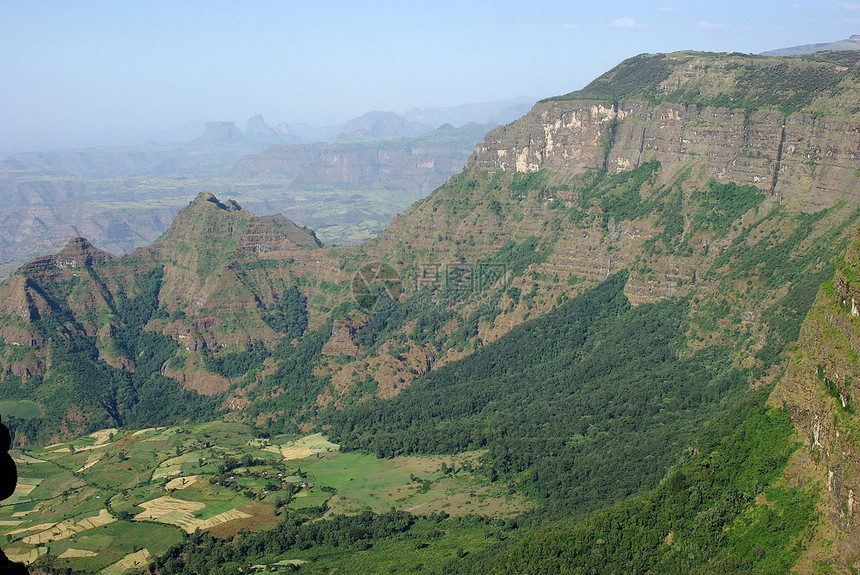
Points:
[(636, 305), (125, 197)]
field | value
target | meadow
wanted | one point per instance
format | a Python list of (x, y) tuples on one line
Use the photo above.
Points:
[(113, 500)]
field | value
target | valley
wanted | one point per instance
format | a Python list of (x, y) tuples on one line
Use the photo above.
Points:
[(125, 198), (620, 340)]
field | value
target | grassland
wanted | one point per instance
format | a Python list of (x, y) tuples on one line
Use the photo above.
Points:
[(24, 409), (112, 500)]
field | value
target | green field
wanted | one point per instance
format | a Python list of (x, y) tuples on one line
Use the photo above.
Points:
[(114, 497), (23, 409)]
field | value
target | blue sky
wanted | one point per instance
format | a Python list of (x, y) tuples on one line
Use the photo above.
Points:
[(100, 69)]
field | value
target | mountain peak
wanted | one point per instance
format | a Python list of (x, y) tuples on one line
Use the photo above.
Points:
[(78, 252), (204, 198), (852, 43), (217, 231)]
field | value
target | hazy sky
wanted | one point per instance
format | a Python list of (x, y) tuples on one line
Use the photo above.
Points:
[(98, 69)]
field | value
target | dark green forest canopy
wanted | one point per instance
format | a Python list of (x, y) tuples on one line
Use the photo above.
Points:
[(723, 510), (584, 406)]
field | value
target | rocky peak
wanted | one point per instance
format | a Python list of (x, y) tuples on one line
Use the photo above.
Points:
[(78, 252), (206, 200), (256, 125), (222, 131), (213, 231)]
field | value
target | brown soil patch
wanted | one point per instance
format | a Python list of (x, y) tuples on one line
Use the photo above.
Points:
[(191, 377), (182, 482), (305, 447), (260, 517), (71, 552)]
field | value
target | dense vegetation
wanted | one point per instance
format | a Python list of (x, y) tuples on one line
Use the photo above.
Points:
[(205, 554), (624, 403), (106, 395), (288, 395), (237, 363), (289, 315), (720, 205), (723, 511)]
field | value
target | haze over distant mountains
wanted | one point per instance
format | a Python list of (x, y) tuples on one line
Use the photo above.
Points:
[(494, 112), (346, 181)]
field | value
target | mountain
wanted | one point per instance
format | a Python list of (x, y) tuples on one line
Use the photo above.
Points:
[(124, 198), (599, 305), (852, 43), (191, 283), (642, 170), (381, 125), (500, 112)]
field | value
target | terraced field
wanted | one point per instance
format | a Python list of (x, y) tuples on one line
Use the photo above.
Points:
[(111, 501)]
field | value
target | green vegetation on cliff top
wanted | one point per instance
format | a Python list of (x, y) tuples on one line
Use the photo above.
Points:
[(753, 82)]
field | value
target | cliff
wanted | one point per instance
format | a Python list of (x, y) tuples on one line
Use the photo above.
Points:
[(78, 252), (789, 127), (398, 161), (820, 390)]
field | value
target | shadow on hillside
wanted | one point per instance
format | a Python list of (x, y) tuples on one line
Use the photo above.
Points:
[(8, 481)]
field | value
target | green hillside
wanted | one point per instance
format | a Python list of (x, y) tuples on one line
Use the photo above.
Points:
[(579, 331)]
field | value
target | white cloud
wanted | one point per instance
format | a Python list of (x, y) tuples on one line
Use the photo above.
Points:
[(852, 21), (624, 23), (572, 26), (848, 6), (702, 25)]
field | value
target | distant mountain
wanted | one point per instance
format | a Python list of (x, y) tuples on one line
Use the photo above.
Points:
[(374, 125), (121, 198), (349, 190), (852, 43), (498, 112)]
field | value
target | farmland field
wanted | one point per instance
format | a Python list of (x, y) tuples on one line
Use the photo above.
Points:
[(113, 500)]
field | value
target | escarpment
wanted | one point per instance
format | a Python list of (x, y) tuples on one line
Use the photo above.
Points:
[(711, 112), (724, 181)]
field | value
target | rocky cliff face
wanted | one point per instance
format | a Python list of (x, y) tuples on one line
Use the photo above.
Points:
[(78, 253), (696, 133), (805, 155), (820, 390)]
